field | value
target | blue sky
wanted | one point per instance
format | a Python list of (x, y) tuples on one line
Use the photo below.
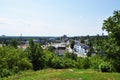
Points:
[(54, 17)]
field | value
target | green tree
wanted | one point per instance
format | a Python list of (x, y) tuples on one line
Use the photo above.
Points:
[(14, 43), (112, 26), (72, 42), (82, 40), (48, 57), (13, 60), (36, 55), (51, 48), (90, 51), (70, 55)]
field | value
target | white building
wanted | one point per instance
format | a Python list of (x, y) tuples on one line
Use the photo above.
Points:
[(80, 49)]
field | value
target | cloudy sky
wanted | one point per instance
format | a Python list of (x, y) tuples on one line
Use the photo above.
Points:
[(54, 17)]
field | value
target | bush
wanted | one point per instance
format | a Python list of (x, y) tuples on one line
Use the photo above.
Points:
[(62, 62), (95, 61), (70, 55), (4, 72), (51, 48), (12, 61), (83, 63), (57, 63), (24, 64), (86, 63), (69, 63), (79, 63), (48, 57), (105, 67)]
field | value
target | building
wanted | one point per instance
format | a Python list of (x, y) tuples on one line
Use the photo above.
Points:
[(60, 50), (80, 49)]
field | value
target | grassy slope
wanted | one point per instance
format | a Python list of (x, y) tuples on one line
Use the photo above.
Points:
[(64, 74)]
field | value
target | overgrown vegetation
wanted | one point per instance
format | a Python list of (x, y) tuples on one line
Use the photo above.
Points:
[(13, 60)]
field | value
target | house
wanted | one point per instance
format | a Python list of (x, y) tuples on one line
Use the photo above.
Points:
[(64, 38), (60, 50), (80, 49), (23, 46)]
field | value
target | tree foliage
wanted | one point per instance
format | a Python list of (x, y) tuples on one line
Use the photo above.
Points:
[(105, 67), (13, 60), (14, 43), (112, 26), (72, 42), (36, 55)]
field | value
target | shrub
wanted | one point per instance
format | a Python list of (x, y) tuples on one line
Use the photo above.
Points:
[(51, 48), (105, 67), (69, 63), (48, 57), (86, 63), (57, 62), (95, 61), (12, 61), (24, 64), (79, 63), (4, 72), (62, 62), (83, 63)]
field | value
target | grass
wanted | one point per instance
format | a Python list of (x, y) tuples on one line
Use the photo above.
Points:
[(64, 74)]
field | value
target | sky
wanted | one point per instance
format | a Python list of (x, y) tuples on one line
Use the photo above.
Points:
[(55, 17)]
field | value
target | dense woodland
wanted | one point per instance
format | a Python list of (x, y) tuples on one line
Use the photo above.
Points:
[(107, 49)]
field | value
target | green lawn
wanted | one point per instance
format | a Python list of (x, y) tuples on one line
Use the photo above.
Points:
[(64, 74)]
